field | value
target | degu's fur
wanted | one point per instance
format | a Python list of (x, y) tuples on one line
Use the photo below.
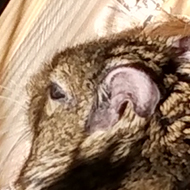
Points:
[(113, 114)]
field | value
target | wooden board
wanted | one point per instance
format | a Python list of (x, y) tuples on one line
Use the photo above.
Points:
[(178, 7)]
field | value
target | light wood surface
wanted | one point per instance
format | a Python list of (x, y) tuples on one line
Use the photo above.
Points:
[(178, 7), (30, 33)]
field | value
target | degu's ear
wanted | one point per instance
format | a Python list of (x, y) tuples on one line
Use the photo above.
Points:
[(123, 85), (183, 46)]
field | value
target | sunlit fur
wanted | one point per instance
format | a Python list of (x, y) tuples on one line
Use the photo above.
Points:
[(137, 153)]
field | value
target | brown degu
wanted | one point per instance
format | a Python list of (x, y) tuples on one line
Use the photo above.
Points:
[(112, 114)]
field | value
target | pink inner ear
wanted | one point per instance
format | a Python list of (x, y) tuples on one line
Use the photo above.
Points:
[(125, 85), (183, 47), (135, 86), (183, 43)]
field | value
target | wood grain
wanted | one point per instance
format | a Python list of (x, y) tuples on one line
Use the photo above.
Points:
[(31, 31), (178, 7)]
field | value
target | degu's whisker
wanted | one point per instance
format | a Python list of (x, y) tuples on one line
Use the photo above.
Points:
[(3, 117), (13, 134), (13, 82), (6, 88), (14, 146), (13, 100)]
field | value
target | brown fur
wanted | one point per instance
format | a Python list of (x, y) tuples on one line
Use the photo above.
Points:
[(137, 153)]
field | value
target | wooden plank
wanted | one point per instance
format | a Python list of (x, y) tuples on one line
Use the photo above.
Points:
[(179, 7)]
